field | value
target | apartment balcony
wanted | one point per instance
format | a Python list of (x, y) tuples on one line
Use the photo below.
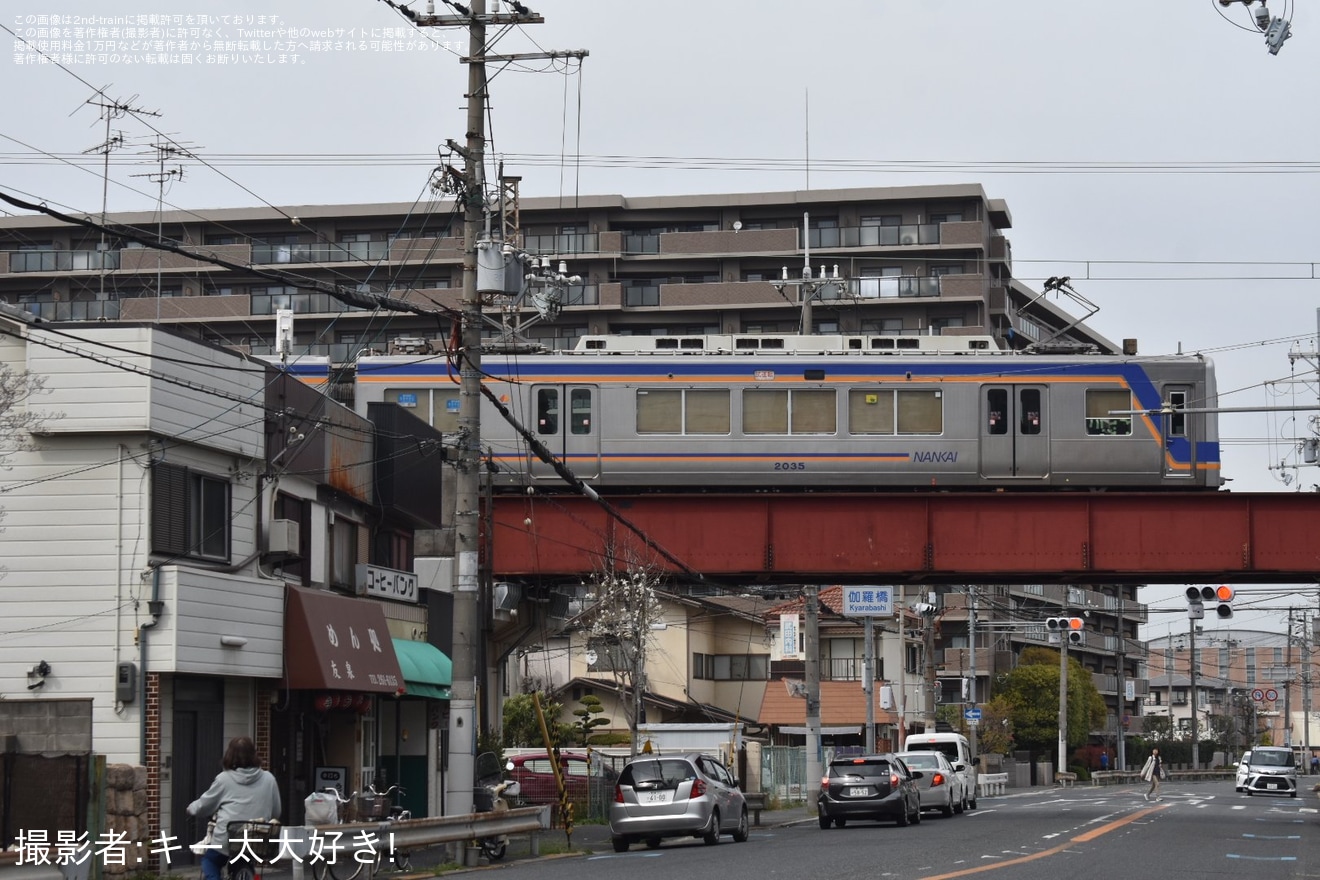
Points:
[(322, 252), (93, 310), (1107, 683), (183, 308), (61, 261), (562, 245), (444, 249), (953, 662), (655, 294), (907, 235), (751, 241)]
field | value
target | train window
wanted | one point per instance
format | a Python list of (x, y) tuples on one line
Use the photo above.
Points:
[(547, 411), (870, 411), (920, 412), (706, 412), (659, 412), (1177, 419), (579, 403), (1029, 410), (1100, 402), (814, 412), (996, 400), (765, 412)]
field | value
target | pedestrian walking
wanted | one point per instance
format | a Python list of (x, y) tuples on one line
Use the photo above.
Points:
[(1315, 764), (1153, 771), (1104, 761)]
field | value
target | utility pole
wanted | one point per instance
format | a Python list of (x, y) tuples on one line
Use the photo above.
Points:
[(811, 605), (469, 665), (974, 724), (1120, 756), (1063, 704), (1196, 734), (868, 682), (809, 288)]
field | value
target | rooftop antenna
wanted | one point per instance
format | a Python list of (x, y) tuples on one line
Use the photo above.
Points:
[(110, 111)]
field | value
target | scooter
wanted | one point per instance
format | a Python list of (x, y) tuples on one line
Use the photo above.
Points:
[(493, 794)]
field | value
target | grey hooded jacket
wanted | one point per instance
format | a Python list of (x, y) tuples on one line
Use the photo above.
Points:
[(244, 794)]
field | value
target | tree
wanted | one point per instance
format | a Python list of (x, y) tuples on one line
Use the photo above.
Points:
[(589, 719), (16, 422), (521, 728), (1031, 692), (995, 732), (620, 626)]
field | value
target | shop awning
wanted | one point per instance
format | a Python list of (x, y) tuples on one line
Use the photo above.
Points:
[(334, 642), (427, 672)]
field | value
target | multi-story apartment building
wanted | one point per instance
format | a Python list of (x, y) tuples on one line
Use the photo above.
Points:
[(911, 260), (1010, 618), (1252, 686)]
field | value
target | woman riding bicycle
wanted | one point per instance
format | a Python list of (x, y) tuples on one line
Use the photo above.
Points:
[(242, 792)]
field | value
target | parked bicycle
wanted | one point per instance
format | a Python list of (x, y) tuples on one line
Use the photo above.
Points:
[(380, 805), (338, 859)]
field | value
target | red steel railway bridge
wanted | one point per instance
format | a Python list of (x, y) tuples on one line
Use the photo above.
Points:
[(919, 538)]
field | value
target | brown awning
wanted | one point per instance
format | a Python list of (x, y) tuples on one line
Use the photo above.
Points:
[(336, 643)]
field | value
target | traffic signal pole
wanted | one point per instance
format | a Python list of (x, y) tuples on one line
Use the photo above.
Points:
[(1063, 704)]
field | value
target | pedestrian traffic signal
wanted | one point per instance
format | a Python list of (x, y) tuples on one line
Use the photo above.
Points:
[(1070, 625)]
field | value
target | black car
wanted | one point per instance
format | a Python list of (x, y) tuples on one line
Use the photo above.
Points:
[(869, 787)]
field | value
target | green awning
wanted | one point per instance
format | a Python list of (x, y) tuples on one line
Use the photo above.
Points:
[(427, 672)]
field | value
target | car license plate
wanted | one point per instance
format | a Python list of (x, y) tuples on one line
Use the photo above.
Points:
[(1273, 785), (858, 791), (656, 797)]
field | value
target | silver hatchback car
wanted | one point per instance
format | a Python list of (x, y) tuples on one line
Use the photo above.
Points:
[(690, 795)]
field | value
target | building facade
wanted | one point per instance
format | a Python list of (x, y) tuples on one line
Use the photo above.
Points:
[(909, 260)]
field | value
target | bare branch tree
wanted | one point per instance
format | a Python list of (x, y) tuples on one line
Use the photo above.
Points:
[(627, 605), (17, 422)]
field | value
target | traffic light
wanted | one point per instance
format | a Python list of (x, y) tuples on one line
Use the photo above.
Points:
[(1224, 596), (1072, 626), (1197, 597)]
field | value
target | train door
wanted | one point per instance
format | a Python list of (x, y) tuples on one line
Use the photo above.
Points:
[(567, 423), (1179, 460), (1015, 431)]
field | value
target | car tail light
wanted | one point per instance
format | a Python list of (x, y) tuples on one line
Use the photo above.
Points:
[(893, 780), (618, 794), (824, 782), (698, 788), (937, 779)]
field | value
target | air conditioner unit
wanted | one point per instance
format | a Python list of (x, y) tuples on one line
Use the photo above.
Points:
[(282, 539), (907, 239), (507, 596)]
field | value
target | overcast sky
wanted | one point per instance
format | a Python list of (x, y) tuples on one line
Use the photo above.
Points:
[(1155, 153)]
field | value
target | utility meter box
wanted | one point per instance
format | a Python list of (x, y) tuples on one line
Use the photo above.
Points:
[(126, 682)]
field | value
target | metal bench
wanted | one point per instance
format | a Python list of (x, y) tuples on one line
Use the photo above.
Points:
[(1067, 780), (756, 803)]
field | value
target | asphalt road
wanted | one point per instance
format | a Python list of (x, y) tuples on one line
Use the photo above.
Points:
[(1197, 831)]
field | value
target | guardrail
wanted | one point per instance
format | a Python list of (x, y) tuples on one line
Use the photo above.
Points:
[(410, 833), (990, 784), (1121, 777)]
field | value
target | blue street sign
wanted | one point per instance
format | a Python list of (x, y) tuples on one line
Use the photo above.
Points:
[(972, 714)]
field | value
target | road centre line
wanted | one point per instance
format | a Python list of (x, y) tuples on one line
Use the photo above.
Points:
[(1081, 838)]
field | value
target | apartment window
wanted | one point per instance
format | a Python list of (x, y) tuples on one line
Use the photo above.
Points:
[(343, 552), (394, 549), (883, 326), (740, 667), (937, 269), (937, 325), (882, 220), (1180, 696), (227, 238), (1100, 402), (189, 513), (955, 217), (1224, 662)]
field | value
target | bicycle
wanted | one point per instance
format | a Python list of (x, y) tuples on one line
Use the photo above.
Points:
[(251, 845), (381, 806), (342, 862)]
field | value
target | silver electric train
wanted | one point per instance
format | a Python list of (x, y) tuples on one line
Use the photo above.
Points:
[(825, 413)]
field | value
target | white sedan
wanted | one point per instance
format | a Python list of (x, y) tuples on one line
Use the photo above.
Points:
[(940, 787)]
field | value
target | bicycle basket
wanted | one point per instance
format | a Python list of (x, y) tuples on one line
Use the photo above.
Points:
[(372, 807), (254, 841)]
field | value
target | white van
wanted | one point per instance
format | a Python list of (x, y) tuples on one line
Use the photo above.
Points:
[(956, 748)]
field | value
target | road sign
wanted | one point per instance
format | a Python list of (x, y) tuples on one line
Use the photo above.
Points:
[(972, 714), (1258, 695), (868, 601), (1271, 694)]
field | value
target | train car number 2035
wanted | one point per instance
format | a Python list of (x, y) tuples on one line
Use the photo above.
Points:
[(790, 465)]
